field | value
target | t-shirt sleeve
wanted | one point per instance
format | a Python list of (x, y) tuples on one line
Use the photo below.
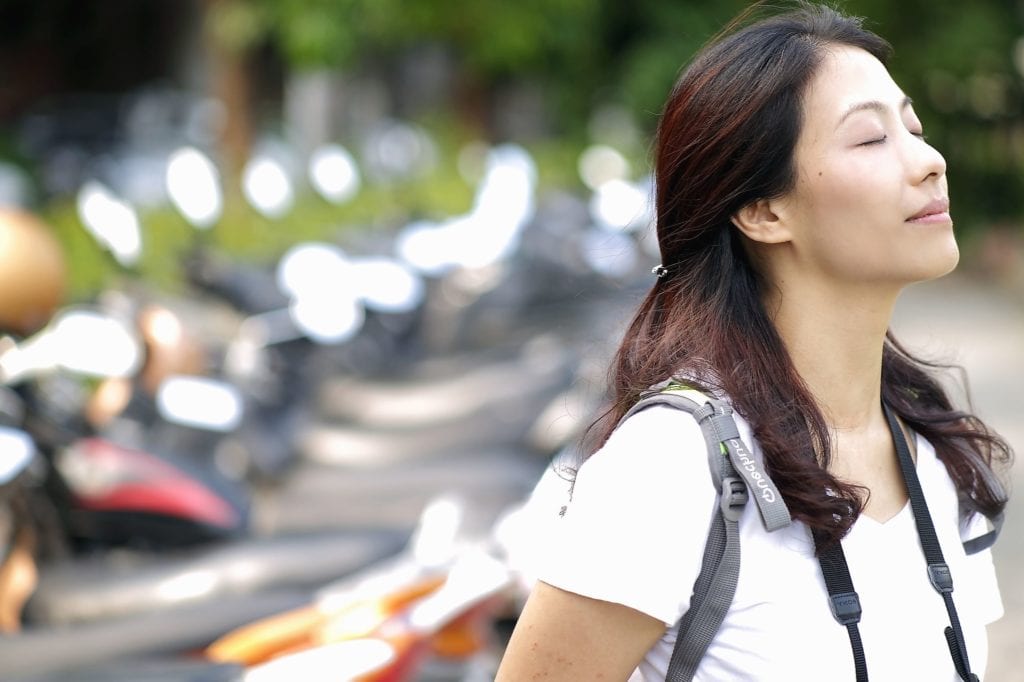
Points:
[(634, 530), (981, 586)]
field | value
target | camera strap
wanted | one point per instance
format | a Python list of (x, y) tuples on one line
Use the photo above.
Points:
[(843, 599)]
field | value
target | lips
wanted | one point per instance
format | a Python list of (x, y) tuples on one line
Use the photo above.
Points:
[(932, 208)]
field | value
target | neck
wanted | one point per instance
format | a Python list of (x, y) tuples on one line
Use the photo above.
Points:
[(835, 340)]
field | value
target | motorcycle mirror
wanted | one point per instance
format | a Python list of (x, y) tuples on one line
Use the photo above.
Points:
[(16, 453), (323, 286), (387, 286), (311, 267), (334, 173), (94, 344), (267, 187), (111, 221), (326, 317), (200, 402), (434, 541), (81, 341), (427, 247), (193, 186)]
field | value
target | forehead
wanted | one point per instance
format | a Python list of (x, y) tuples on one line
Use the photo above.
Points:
[(845, 77)]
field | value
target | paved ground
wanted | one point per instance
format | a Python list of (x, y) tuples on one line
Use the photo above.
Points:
[(981, 327)]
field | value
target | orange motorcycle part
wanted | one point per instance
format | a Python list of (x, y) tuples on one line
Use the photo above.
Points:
[(468, 634), (268, 637), (309, 626)]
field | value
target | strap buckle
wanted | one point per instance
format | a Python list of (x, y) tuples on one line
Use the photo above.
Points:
[(940, 577), (734, 498), (845, 607)]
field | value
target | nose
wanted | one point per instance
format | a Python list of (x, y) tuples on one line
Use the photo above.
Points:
[(926, 162)]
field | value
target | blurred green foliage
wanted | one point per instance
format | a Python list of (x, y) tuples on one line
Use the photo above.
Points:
[(493, 37), (961, 62), (956, 59)]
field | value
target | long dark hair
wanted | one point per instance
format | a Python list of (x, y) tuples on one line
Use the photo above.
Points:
[(726, 138)]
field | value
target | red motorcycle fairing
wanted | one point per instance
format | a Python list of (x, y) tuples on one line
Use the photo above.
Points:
[(107, 477)]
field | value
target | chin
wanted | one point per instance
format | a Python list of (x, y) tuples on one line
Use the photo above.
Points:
[(943, 263)]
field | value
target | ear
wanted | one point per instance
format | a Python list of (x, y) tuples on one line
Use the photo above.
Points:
[(761, 221)]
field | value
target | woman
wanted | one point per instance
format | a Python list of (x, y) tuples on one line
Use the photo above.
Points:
[(796, 197)]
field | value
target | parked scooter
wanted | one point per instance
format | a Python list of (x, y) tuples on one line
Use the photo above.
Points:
[(82, 493), (93, 502), (109, 494), (210, 585), (451, 621), (255, 447), (436, 600), (216, 592)]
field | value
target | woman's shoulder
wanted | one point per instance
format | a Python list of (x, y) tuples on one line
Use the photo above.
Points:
[(633, 530), (652, 470), (657, 439)]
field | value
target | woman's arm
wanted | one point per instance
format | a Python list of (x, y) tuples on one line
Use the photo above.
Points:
[(565, 636)]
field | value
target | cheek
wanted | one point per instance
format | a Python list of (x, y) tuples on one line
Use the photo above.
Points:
[(853, 188), (840, 209), (845, 206)]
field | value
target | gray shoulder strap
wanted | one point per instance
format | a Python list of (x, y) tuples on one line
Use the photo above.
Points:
[(713, 593), (715, 587), (724, 443)]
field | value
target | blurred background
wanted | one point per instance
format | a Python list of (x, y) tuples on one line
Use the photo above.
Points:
[(306, 291)]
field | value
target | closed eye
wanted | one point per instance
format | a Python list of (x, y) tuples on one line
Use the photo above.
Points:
[(879, 140)]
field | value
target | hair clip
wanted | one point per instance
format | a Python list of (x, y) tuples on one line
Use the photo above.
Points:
[(659, 271)]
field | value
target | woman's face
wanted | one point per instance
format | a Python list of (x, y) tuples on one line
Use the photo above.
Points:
[(870, 203)]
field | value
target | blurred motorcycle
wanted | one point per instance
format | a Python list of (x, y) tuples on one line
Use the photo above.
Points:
[(274, 580), (18, 531)]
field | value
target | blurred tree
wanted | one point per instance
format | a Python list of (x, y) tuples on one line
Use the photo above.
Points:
[(956, 59), (232, 30), (493, 41), (962, 63)]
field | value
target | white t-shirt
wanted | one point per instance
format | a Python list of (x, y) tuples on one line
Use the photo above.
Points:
[(634, 533)]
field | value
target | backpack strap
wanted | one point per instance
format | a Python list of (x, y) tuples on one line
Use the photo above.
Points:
[(715, 587), (723, 443), (734, 472)]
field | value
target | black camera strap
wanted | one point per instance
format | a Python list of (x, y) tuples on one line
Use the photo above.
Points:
[(843, 597)]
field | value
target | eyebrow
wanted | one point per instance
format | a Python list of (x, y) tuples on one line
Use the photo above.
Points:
[(871, 105)]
